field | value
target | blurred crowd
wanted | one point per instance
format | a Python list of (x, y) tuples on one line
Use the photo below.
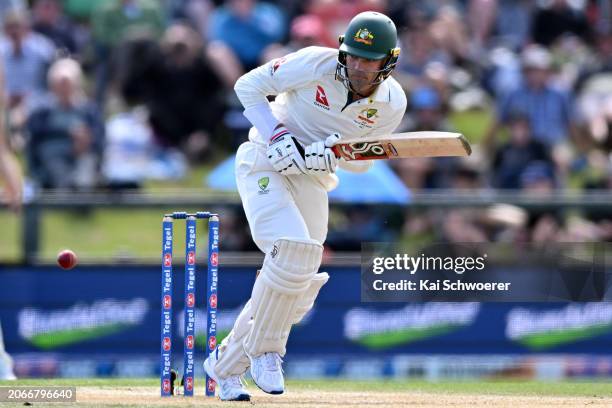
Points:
[(106, 94)]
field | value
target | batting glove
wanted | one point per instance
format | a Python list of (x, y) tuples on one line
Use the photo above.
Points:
[(285, 153), (319, 156)]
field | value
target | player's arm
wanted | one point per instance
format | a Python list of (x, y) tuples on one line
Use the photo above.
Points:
[(292, 71), (10, 171)]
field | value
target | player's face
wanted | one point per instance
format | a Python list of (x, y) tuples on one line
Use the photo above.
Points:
[(362, 72)]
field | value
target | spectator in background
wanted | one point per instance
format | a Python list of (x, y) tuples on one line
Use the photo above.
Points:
[(306, 30), (195, 12), (594, 93), (180, 89), (246, 28), (513, 22), (7, 6), (546, 226), (115, 21), (10, 172), (238, 34), (336, 14), (538, 178), (550, 110), (559, 18), (603, 56), (418, 51), (185, 112), (480, 16), (26, 57), (49, 20), (513, 158), (426, 114), (65, 134), (128, 150), (450, 34)]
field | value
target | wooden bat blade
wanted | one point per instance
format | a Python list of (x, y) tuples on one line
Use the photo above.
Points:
[(404, 145)]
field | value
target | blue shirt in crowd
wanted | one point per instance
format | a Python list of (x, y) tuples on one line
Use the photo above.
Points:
[(248, 37), (549, 111)]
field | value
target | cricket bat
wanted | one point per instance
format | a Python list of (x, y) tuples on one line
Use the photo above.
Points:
[(403, 145)]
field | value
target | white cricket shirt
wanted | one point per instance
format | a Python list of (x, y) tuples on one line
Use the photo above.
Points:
[(313, 104)]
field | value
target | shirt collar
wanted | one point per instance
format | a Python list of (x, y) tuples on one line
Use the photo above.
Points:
[(382, 93)]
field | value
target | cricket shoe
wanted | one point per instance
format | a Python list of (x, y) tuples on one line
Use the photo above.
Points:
[(231, 388), (267, 373)]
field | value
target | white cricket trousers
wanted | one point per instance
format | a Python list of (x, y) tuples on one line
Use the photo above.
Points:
[(279, 206), (276, 206)]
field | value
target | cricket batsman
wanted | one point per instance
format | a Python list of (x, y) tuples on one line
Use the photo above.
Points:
[(284, 173)]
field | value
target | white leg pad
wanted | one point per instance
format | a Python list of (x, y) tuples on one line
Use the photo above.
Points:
[(232, 359), (306, 302), (285, 277)]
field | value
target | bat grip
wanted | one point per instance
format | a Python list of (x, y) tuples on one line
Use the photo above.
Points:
[(336, 151)]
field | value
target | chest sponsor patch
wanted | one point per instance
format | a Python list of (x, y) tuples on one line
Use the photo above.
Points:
[(321, 98), (276, 65), (367, 117)]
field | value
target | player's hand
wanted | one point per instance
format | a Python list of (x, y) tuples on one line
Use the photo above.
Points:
[(319, 156), (285, 153)]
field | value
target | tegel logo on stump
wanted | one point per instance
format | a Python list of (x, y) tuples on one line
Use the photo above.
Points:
[(224, 323), (48, 329)]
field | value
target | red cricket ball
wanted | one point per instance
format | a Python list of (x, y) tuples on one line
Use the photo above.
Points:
[(67, 259)]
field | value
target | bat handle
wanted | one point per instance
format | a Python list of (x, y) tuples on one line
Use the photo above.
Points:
[(336, 150)]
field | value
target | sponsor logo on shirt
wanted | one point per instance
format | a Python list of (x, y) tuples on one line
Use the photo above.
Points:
[(363, 35), (321, 98), (366, 117), (276, 65), (263, 185)]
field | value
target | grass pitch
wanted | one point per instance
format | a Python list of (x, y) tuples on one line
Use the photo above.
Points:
[(342, 393)]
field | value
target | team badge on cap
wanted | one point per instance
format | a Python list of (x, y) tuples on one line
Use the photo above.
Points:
[(363, 35)]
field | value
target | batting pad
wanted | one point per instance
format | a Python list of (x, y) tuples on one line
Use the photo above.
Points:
[(285, 277), (306, 302), (232, 359)]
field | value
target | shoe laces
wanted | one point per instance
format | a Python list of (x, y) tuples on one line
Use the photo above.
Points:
[(272, 362)]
